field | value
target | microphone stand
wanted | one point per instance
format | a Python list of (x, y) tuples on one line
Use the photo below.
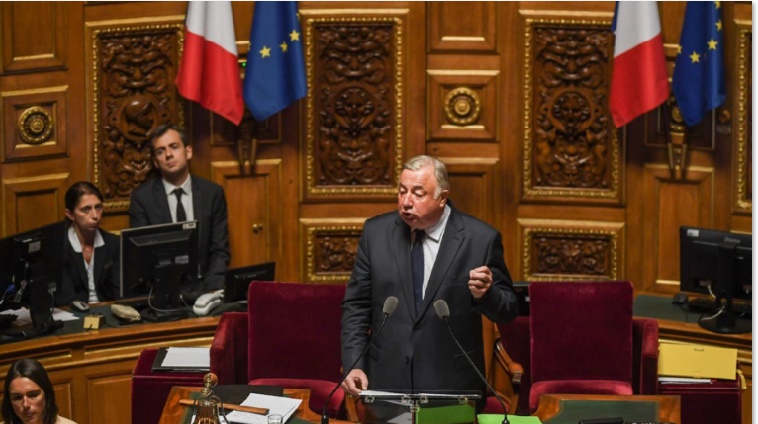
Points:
[(443, 312), (389, 307)]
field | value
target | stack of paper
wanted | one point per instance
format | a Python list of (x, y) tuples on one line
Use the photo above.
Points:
[(283, 406)]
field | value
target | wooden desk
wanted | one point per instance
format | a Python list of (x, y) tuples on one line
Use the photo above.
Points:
[(674, 324), (553, 408), (173, 413), (91, 371)]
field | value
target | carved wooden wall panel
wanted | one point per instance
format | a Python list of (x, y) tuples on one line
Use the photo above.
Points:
[(133, 67), (462, 27), (30, 201), (328, 248), (570, 148), (672, 203), (34, 123), (33, 36), (254, 212), (743, 150), (562, 250), (355, 123), (463, 104), (64, 398)]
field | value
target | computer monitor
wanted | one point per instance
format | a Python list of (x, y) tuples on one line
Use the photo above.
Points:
[(717, 263), (237, 280), (157, 261), (31, 270)]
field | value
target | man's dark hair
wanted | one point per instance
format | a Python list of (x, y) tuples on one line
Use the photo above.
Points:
[(33, 370), (163, 129)]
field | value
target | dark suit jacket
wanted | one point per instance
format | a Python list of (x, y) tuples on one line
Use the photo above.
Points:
[(416, 351), (149, 206), (73, 282)]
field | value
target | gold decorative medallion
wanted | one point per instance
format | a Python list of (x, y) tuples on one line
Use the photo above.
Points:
[(462, 106), (35, 125)]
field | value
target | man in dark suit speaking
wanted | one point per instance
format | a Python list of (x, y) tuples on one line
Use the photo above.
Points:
[(177, 196), (455, 257)]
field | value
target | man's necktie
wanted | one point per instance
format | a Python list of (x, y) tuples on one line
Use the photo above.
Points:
[(181, 214), (417, 267)]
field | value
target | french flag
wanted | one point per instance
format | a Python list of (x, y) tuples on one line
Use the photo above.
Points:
[(639, 82), (208, 72)]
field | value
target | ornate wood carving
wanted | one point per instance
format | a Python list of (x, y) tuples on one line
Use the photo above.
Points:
[(35, 123), (330, 248), (571, 149), (354, 119), (462, 104), (134, 69), (743, 151), (570, 250)]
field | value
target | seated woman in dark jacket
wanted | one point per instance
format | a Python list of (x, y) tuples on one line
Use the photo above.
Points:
[(91, 255)]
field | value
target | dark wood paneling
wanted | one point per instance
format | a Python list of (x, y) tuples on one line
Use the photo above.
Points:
[(35, 123)]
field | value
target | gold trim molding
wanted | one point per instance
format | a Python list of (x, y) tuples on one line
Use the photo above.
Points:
[(311, 20), (128, 26), (613, 194), (611, 231), (315, 226), (742, 150)]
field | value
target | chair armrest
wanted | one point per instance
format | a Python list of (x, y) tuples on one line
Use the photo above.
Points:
[(645, 345), (509, 387), (229, 349)]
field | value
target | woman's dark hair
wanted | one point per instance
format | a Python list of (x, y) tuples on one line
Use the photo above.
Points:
[(33, 370), (76, 191)]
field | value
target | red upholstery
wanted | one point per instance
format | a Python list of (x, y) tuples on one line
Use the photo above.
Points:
[(717, 402), (290, 337), (150, 389), (581, 338)]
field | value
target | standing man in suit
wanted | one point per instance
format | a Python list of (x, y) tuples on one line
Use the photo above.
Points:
[(454, 257), (178, 196)]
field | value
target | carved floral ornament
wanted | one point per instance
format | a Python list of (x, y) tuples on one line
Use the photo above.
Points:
[(462, 106), (35, 125)]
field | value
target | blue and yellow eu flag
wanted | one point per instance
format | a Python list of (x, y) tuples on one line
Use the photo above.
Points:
[(275, 72), (698, 80)]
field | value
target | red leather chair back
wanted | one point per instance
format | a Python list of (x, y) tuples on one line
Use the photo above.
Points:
[(581, 331), (294, 331)]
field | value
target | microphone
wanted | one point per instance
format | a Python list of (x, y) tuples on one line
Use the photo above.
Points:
[(389, 308), (443, 312)]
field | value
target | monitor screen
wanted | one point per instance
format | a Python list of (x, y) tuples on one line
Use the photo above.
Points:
[(237, 280), (31, 269), (717, 263), (159, 260)]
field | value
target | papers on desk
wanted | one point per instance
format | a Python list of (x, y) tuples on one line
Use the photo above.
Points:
[(187, 358), (276, 405), (24, 317), (684, 380)]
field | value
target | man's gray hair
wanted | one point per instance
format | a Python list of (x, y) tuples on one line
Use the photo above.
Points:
[(440, 171)]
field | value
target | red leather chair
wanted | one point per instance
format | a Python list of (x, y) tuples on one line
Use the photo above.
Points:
[(289, 337), (579, 339)]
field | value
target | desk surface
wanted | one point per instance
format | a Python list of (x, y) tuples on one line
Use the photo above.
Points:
[(559, 409), (173, 413), (680, 324)]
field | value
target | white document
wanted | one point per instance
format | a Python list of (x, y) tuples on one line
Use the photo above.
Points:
[(684, 380), (24, 317), (187, 357), (281, 405)]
